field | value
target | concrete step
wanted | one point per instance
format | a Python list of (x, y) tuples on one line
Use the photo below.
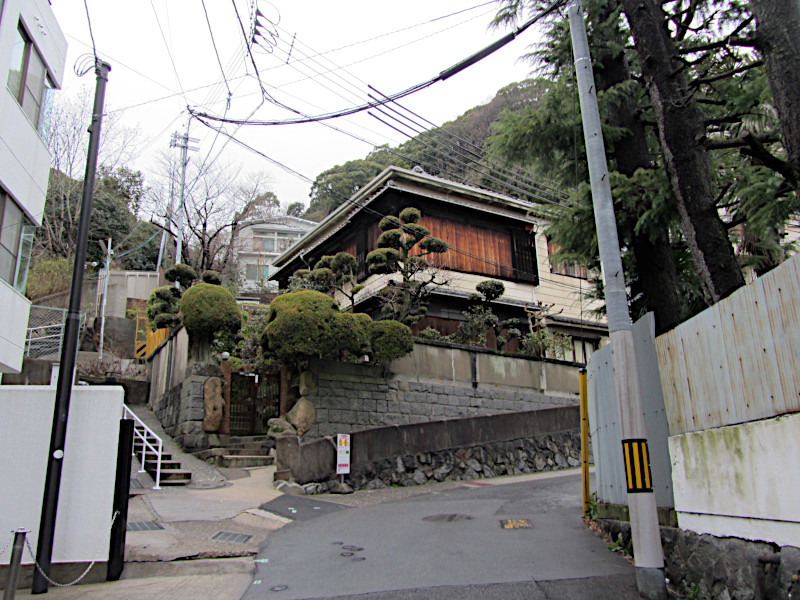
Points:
[(172, 476), (242, 461), (246, 451), (152, 456), (236, 439), (165, 464)]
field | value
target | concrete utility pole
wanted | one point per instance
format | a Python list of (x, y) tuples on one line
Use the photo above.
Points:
[(641, 499), (182, 142), (58, 436)]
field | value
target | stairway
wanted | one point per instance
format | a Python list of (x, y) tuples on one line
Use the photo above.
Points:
[(171, 472), (240, 452)]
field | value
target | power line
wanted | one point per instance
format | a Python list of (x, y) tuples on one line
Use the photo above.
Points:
[(442, 76), (214, 43), (91, 33), (169, 53)]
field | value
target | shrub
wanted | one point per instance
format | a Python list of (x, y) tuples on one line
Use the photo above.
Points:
[(48, 276), (183, 274), (207, 310), (390, 340), (211, 277), (162, 307)]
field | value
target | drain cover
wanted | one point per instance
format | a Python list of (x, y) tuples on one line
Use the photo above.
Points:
[(144, 526), (515, 524), (227, 536), (449, 518)]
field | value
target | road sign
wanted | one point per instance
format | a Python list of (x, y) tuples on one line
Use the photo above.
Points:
[(342, 454)]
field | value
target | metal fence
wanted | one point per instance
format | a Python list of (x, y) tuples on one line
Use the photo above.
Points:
[(46, 331), (604, 420), (737, 361)]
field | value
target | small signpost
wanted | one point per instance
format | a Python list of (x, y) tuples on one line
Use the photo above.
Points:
[(343, 455)]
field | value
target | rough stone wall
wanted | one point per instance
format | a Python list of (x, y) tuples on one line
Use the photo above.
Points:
[(550, 452), (713, 568), (180, 411), (347, 401)]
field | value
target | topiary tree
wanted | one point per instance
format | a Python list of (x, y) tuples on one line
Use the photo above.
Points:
[(162, 307), (183, 274), (207, 310), (405, 300), (389, 340), (342, 269), (479, 318), (212, 277)]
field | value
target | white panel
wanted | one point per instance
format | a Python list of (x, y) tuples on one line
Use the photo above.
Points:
[(87, 484), (13, 330), (747, 471)]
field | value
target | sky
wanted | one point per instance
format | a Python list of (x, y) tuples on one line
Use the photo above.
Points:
[(313, 56)]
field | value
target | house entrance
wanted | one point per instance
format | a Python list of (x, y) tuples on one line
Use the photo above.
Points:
[(254, 401)]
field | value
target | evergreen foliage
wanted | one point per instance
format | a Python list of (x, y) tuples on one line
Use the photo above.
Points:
[(183, 274), (206, 311), (389, 340)]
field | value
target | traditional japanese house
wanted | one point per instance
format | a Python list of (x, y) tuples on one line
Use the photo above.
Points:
[(490, 236)]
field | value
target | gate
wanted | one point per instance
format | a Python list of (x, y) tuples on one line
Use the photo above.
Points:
[(254, 401)]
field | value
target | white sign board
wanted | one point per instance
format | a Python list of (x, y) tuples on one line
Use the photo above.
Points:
[(342, 454)]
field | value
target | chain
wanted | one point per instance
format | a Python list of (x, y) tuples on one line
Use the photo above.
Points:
[(84, 574)]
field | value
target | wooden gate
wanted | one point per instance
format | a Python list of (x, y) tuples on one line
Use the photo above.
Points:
[(254, 401)]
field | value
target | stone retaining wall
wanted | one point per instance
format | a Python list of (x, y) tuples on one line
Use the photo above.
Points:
[(350, 397), (714, 568), (468, 448)]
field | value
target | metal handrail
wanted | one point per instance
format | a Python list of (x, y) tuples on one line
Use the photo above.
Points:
[(127, 413)]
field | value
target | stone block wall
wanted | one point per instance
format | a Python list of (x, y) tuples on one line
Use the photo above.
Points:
[(717, 568), (350, 397), (180, 410)]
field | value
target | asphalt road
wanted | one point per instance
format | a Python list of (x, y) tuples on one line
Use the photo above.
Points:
[(451, 544)]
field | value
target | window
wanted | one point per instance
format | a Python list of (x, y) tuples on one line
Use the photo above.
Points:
[(568, 268), (254, 272), (523, 256), (16, 241), (29, 83)]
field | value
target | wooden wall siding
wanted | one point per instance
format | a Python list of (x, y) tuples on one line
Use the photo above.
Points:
[(737, 361), (473, 249)]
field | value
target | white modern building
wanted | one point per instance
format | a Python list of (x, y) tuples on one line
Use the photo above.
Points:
[(259, 243), (32, 55)]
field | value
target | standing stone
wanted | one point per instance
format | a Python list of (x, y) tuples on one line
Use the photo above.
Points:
[(213, 403), (302, 416)]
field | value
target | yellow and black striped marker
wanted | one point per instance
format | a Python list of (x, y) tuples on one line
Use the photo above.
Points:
[(141, 350), (637, 466)]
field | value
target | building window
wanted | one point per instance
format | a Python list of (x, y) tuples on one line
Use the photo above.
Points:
[(29, 83), (264, 244), (254, 272), (523, 256), (568, 268), (16, 241)]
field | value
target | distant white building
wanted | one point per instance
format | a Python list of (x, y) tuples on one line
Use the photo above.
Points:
[(258, 243), (32, 55)]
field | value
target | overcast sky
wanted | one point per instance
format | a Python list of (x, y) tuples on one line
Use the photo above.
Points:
[(163, 59)]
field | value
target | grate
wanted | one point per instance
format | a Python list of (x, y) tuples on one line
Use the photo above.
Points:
[(448, 518), (227, 536), (144, 526)]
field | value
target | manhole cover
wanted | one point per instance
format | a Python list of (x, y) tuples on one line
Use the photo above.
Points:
[(515, 524), (144, 526), (449, 518), (227, 536)]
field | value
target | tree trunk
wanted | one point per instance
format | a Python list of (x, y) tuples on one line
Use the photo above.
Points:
[(657, 273), (680, 126), (778, 42)]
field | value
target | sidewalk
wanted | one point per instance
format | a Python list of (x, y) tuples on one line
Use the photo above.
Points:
[(169, 550)]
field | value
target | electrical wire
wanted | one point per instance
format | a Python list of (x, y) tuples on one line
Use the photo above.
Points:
[(442, 76), (169, 53), (214, 43), (91, 33)]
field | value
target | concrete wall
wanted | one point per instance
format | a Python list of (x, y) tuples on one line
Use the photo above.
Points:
[(167, 366), (435, 381), (16, 309), (741, 480), (87, 485), (401, 451)]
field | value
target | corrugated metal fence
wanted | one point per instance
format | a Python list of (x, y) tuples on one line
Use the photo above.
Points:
[(604, 420), (737, 361)]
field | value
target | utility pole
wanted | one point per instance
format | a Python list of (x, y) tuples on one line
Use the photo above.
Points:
[(55, 461), (107, 272), (182, 142), (641, 499)]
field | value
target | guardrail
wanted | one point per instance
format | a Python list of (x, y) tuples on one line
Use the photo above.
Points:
[(142, 431)]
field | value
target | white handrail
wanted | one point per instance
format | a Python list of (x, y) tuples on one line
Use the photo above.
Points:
[(127, 413)]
